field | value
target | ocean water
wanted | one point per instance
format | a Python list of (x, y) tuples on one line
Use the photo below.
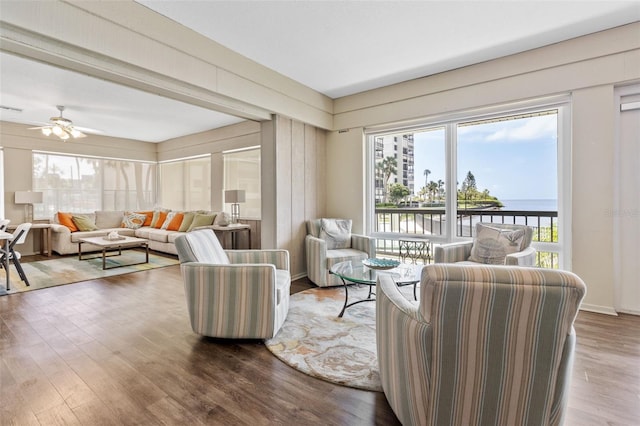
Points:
[(531, 205)]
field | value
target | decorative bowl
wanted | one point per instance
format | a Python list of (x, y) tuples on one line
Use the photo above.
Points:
[(380, 263)]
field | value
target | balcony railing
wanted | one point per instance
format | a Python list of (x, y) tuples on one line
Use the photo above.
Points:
[(431, 222)]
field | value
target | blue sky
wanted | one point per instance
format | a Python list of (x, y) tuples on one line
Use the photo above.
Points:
[(515, 159)]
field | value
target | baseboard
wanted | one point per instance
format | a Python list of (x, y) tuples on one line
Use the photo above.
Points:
[(607, 310), (298, 276)]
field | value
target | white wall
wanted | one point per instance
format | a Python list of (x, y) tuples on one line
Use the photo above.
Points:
[(19, 142), (588, 69), (126, 43), (293, 185)]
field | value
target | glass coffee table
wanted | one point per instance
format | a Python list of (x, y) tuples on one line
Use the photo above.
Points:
[(354, 272)]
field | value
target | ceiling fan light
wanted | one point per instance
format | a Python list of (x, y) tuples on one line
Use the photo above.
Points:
[(46, 131), (75, 133), (64, 136), (57, 130)]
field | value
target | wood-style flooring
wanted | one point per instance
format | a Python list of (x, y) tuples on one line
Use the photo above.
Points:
[(120, 350)]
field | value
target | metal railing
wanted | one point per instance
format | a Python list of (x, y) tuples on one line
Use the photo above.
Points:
[(431, 222)]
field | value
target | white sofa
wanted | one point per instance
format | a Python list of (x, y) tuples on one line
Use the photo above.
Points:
[(63, 241)]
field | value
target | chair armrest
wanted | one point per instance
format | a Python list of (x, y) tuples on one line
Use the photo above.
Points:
[(403, 342), (55, 227), (277, 257), (526, 257), (453, 252), (364, 243), (316, 258)]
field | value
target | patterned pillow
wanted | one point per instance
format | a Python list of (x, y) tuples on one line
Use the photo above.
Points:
[(133, 220), (336, 233), (492, 245)]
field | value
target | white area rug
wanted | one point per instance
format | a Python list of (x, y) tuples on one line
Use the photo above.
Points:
[(340, 350)]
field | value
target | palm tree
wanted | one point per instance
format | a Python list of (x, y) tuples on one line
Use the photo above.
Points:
[(427, 172), (387, 167), (440, 188), (432, 188)]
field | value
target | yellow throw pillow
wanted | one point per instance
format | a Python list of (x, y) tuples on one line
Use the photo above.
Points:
[(186, 221), (83, 223), (201, 220)]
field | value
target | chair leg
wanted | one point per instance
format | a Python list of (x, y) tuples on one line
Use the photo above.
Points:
[(18, 266)]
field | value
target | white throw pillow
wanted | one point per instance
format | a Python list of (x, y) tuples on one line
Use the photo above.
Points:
[(336, 233), (492, 245)]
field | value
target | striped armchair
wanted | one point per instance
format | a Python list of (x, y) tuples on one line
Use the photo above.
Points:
[(491, 250), (320, 258), (486, 345), (233, 293)]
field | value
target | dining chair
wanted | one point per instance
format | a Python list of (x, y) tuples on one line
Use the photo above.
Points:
[(19, 237)]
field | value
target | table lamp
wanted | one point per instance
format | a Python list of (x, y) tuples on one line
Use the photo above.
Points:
[(234, 196), (28, 198)]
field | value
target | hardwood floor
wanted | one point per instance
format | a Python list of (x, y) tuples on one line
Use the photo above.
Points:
[(120, 350)]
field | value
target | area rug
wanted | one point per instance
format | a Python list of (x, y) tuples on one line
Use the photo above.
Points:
[(67, 270), (339, 350)]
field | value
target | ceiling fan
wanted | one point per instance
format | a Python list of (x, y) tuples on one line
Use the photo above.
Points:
[(61, 127)]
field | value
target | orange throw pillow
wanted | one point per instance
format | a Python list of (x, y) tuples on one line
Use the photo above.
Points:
[(161, 218), (175, 223), (66, 220), (149, 216)]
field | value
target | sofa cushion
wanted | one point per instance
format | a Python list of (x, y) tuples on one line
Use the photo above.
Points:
[(187, 219), (148, 217), (173, 221), (492, 245), (171, 237), (109, 219), (83, 223), (336, 233), (133, 220), (160, 235), (201, 220), (66, 219)]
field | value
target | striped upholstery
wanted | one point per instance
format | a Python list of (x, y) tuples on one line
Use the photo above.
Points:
[(320, 259), (233, 294), (460, 252), (487, 345)]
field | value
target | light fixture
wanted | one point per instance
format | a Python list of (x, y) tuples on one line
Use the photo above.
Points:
[(234, 196), (28, 198), (61, 127)]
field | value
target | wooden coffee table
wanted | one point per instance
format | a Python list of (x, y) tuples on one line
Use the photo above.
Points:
[(112, 245)]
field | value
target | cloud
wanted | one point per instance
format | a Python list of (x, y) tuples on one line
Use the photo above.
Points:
[(544, 127)]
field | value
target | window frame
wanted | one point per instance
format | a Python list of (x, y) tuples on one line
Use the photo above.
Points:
[(450, 122)]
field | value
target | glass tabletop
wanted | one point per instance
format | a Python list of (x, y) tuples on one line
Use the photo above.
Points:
[(356, 272)]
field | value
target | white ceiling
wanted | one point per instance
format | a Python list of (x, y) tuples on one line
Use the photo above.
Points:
[(335, 47)]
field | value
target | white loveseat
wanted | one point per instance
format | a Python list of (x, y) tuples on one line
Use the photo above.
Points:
[(64, 241)]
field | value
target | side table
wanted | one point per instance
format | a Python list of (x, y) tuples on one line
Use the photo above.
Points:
[(414, 249), (232, 230), (45, 237)]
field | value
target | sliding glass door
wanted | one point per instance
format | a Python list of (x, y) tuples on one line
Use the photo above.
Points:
[(437, 181)]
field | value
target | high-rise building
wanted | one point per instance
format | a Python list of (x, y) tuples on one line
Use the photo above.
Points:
[(400, 147)]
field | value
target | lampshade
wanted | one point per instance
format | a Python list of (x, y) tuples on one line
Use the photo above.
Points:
[(28, 197), (234, 196)]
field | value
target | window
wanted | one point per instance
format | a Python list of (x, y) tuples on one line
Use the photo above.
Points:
[(242, 171), (85, 184), (186, 184), (500, 167)]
